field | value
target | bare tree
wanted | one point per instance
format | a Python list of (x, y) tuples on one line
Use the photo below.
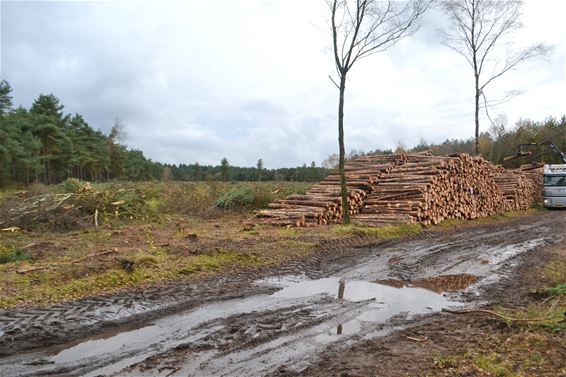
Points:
[(118, 133), (361, 28), (479, 31)]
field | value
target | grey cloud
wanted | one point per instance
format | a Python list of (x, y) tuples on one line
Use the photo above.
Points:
[(197, 81)]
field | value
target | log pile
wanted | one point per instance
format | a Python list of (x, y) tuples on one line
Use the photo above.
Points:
[(409, 188), (322, 204), (517, 189), (428, 189), (535, 174)]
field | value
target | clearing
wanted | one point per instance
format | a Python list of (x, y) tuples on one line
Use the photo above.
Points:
[(345, 302)]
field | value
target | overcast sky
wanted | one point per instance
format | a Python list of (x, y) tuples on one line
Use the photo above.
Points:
[(200, 80)]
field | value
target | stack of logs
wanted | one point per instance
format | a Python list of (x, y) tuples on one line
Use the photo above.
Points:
[(516, 187), (408, 188), (322, 203), (535, 174), (429, 189)]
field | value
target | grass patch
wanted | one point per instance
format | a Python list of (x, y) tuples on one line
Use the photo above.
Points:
[(54, 285), (557, 291), (217, 261), (385, 233), (446, 361), (509, 355), (494, 364), (288, 232), (299, 245), (549, 314), (555, 272), (13, 255), (203, 197)]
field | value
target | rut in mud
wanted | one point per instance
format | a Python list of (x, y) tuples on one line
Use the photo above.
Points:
[(276, 323)]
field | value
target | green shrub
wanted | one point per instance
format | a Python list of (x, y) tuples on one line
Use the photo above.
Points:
[(12, 255), (71, 185), (557, 291), (191, 197), (241, 198)]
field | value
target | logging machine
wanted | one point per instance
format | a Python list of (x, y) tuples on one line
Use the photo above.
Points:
[(554, 175)]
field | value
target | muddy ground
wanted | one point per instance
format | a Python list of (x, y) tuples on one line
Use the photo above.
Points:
[(344, 311), (453, 345)]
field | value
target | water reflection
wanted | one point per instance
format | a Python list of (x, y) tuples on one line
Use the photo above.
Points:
[(395, 296), (438, 284)]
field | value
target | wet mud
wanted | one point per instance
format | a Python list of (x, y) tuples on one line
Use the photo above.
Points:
[(279, 321)]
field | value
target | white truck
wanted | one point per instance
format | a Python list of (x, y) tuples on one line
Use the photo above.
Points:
[(554, 194)]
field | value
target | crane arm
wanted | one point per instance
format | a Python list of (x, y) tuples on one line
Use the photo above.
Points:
[(551, 148)]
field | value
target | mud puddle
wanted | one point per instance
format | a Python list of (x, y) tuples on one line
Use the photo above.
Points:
[(384, 301), (260, 331), (345, 311)]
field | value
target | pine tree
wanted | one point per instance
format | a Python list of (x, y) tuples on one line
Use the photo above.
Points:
[(5, 98), (225, 169), (259, 169)]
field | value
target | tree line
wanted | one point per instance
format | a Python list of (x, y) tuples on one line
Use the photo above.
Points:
[(42, 144), (494, 145), (225, 172)]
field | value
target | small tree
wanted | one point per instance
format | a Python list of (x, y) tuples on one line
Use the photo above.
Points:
[(259, 169), (167, 174), (331, 162), (361, 28), (116, 150), (480, 31), (313, 172), (225, 169), (118, 133), (5, 97)]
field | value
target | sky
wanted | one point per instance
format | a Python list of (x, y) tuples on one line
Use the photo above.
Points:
[(196, 81)]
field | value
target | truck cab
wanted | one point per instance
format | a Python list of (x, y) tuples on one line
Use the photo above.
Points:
[(554, 186)]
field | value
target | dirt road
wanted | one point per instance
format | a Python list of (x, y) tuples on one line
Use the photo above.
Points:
[(275, 322)]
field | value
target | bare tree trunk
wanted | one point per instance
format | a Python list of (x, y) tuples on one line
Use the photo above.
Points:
[(477, 116), (479, 31), (343, 187)]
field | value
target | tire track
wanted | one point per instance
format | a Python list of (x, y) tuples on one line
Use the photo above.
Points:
[(430, 251)]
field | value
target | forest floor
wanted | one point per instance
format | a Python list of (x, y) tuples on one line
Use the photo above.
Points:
[(221, 294)]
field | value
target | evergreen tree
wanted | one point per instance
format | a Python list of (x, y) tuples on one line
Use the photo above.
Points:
[(5, 98), (225, 169), (259, 169), (167, 173), (117, 152), (313, 174)]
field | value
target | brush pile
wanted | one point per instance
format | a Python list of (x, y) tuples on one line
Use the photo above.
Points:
[(408, 188), (84, 207)]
